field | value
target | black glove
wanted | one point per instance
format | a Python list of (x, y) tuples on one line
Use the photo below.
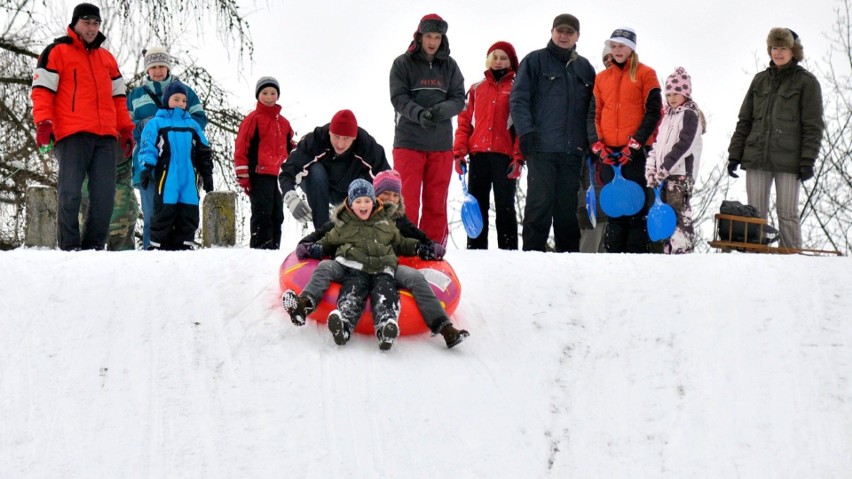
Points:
[(732, 167), (145, 177), (207, 183), (425, 119), (806, 173), (436, 114), (528, 143), (425, 251)]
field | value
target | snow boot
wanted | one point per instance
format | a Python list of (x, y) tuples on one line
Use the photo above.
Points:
[(339, 327), (298, 307), (387, 332), (452, 335)]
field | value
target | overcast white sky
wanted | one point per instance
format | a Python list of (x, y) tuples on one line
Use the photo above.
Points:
[(334, 55), (330, 55)]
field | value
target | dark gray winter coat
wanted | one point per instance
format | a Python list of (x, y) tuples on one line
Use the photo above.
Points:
[(780, 123), (417, 84)]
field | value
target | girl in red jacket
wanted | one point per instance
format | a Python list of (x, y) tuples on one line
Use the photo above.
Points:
[(485, 135), (263, 143), (626, 111)]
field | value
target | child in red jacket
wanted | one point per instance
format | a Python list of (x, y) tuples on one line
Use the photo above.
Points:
[(485, 133), (263, 143)]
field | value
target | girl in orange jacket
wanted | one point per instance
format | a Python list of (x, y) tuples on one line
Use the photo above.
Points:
[(623, 119)]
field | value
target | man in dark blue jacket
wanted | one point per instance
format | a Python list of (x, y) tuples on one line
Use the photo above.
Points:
[(549, 104)]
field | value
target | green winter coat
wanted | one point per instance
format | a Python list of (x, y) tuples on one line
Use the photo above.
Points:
[(780, 122), (371, 245)]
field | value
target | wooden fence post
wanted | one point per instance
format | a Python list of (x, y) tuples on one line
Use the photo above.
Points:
[(41, 209), (219, 219)]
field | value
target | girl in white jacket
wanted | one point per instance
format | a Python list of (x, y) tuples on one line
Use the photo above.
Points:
[(675, 156)]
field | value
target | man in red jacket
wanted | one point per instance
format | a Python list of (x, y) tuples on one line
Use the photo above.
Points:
[(79, 102)]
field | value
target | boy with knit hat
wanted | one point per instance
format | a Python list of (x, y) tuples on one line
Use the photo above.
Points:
[(365, 243), (143, 103), (324, 164), (175, 154), (264, 140), (387, 186), (427, 91)]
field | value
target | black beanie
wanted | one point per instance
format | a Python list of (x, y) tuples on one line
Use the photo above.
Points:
[(86, 11)]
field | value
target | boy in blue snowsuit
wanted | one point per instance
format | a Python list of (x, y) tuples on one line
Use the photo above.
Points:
[(176, 158)]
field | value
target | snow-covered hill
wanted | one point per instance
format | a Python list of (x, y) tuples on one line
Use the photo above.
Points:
[(161, 364)]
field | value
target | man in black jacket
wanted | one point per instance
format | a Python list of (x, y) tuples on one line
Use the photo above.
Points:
[(325, 162), (549, 103)]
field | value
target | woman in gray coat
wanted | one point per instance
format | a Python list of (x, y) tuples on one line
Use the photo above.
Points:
[(778, 133)]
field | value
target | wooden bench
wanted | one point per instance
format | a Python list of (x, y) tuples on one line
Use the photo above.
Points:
[(723, 238)]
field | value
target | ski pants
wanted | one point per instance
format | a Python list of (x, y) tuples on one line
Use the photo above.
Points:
[(487, 170), (629, 234), (267, 212), (425, 185), (174, 225), (79, 156), (357, 286), (553, 180)]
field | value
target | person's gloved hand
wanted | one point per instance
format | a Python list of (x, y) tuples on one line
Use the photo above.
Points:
[(439, 250), (515, 167), (298, 208), (628, 151), (732, 167), (309, 250), (425, 119), (44, 136), (460, 163), (126, 142), (528, 143), (600, 150), (425, 251), (207, 183), (145, 177), (806, 173), (245, 184), (436, 114), (651, 175)]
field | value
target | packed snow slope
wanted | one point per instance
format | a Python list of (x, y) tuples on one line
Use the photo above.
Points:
[(172, 365)]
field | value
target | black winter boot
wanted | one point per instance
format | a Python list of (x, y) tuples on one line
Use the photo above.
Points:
[(452, 335), (387, 333), (339, 327), (298, 307)]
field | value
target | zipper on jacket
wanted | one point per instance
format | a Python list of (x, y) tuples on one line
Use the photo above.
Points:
[(74, 94)]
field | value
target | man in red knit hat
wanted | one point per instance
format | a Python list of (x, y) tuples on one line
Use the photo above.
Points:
[(325, 162), (427, 91)]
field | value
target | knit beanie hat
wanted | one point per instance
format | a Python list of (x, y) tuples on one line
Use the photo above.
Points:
[(784, 37), (173, 88), (623, 35), (432, 23), (567, 20), (343, 123), (510, 51), (86, 11), (360, 187), (606, 51), (679, 82), (265, 82), (387, 180), (157, 56)]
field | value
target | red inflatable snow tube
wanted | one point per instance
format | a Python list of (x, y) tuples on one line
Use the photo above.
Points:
[(295, 273)]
